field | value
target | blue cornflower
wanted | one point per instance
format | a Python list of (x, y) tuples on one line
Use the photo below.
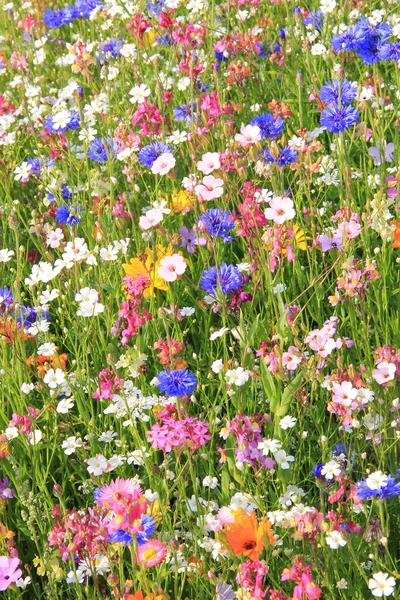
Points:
[(335, 90), (389, 488), (228, 277), (27, 316), (365, 30), (155, 7), (269, 126), (149, 154), (66, 194), (149, 526), (6, 299), (390, 52), (120, 536), (220, 56), (260, 49), (217, 223), (102, 148), (317, 470), (369, 50), (68, 214), (316, 19), (348, 40), (85, 7), (286, 155), (36, 165), (186, 112), (164, 40), (176, 383), (108, 50), (338, 119), (59, 17), (282, 33)]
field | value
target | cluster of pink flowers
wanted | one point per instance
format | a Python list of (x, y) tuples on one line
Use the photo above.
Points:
[(354, 280), (132, 313), (188, 432), (301, 574), (248, 434), (322, 340), (169, 349), (109, 385), (250, 577)]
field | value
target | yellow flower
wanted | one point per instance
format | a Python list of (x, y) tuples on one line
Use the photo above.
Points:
[(180, 201), (299, 234), (148, 263)]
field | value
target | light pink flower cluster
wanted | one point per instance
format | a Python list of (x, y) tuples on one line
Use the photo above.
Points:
[(353, 281), (188, 432), (322, 340)]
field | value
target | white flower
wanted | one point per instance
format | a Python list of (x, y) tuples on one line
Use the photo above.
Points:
[(267, 446), (279, 288), (237, 376), (381, 584), (26, 388), (283, 459), (71, 444), (331, 469), (341, 584), (217, 366), (218, 333), (75, 576), (64, 405), (287, 422), (90, 309), (47, 349), (327, 6), (34, 437), (109, 253), (23, 583), (318, 50), (53, 378), (187, 311), (334, 539), (5, 255), (107, 436), (210, 482), (22, 172), (11, 433), (376, 480), (97, 465), (139, 93)]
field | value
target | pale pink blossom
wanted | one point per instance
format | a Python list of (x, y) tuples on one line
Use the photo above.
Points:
[(344, 393), (163, 164), (150, 219), (171, 267), (209, 162), (250, 134), (292, 358), (322, 345), (209, 189), (280, 209), (54, 238), (384, 372), (350, 229)]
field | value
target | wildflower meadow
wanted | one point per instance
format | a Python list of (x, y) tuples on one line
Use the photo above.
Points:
[(199, 299)]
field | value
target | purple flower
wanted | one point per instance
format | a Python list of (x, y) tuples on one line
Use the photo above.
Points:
[(190, 239), (327, 243), (176, 383), (5, 491)]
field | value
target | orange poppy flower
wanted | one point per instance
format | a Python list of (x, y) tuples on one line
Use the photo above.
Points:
[(396, 243), (245, 536)]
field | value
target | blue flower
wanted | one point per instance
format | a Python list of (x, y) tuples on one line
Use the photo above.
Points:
[(108, 50), (36, 165), (269, 126), (317, 470), (217, 223), (27, 316), (286, 155), (101, 149), (227, 276), (338, 119), (149, 526), (85, 7), (186, 112), (389, 489), (149, 154), (348, 40), (66, 194), (176, 383), (155, 7), (316, 19), (120, 536), (390, 52), (68, 214), (335, 90), (59, 17), (369, 50), (6, 299)]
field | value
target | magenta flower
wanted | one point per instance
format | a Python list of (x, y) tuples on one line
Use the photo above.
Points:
[(8, 571)]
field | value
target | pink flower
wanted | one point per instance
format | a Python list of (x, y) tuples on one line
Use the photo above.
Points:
[(151, 218), (292, 358), (163, 164), (351, 229), (280, 210), (152, 553), (248, 135), (322, 345), (344, 393), (209, 189), (8, 571), (171, 267), (119, 493), (54, 238), (384, 372), (209, 162)]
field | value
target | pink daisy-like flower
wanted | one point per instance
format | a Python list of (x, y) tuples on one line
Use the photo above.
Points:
[(384, 372), (280, 210), (171, 267), (210, 189), (8, 571), (118, 493), (152, 553), (150, 219), (163, 164), (249, 134), (344, 393), (209, 162)]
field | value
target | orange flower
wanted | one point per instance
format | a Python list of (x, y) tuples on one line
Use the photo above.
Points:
[(245, 536), (44, 363), (396, 243), (9, 330)]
